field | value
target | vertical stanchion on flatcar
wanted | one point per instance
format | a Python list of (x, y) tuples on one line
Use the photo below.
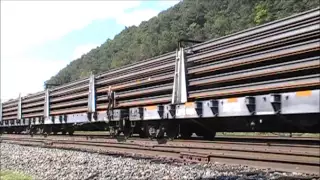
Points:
[(46, 109), (180, 82), (92, 114), (19, 115), (1, 122), (179, 94), (47, 129), (0, 112)]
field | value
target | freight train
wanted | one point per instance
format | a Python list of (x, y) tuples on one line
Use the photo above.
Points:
[(263, 79)]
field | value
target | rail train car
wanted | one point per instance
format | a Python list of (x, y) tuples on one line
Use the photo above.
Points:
[(263, 79)]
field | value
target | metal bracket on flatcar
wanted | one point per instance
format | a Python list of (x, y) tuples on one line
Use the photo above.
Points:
[(214, 106), (169, 111), (198, 108), (160, 110), (65, 118), (188, 41), (60, 118), (180, 92), (41, 120), (136, 113), (275, 100), (53, 119), (251, 104), (50, 85), (92, 116), (119, 114)]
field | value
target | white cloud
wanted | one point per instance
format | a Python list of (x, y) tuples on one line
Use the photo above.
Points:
[(83, 49), (27, 24), (24, 75), (136, 17)]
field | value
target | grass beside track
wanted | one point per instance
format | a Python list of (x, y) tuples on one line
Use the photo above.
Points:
[(268, 134), (12, 175)]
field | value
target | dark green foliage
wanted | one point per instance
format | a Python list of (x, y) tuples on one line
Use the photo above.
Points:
[(192, 19)]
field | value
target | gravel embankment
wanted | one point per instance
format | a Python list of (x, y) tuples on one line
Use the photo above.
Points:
[(52, 164)]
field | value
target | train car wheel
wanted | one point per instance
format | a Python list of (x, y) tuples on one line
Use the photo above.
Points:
[(172, 132)]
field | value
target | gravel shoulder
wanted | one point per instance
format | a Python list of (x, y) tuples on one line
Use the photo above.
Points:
[(51, 164)]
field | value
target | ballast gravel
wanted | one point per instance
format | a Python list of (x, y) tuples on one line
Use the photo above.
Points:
[(56, 164)]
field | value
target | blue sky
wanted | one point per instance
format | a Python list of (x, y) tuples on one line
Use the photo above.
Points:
[(95, 33), (39, 38)]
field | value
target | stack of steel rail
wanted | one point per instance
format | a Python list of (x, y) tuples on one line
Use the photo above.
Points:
[(10, 110), (31, 106), (151, 78), (281, 55), (70, 98), (275, 57)]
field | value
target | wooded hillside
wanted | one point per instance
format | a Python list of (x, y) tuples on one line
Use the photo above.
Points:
[(192, 19)]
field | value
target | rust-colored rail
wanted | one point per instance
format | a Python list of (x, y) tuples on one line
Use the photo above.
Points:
[(304, 82), (37, 98), (267, 28), (70, 90), (25, 105), (10, 109), (291, 36), (68, 97), (69, 103), (9, 117), (293, 50), (32, 110), (272, 70), (32, 115), (288, 158), (151, 71), (144, 101), (137, 82), (69, 110)]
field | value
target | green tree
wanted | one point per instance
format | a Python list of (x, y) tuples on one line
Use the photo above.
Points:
[(261, 13)]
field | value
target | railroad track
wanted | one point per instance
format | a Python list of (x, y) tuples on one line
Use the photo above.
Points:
[(294, 158), (269, 140)]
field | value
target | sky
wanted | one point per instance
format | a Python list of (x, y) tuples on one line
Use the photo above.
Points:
[(38, 38)]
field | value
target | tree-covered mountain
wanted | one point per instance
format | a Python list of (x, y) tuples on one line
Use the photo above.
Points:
[(192, 19)]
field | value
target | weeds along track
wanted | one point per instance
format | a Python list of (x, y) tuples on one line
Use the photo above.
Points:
[(277, 156)]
